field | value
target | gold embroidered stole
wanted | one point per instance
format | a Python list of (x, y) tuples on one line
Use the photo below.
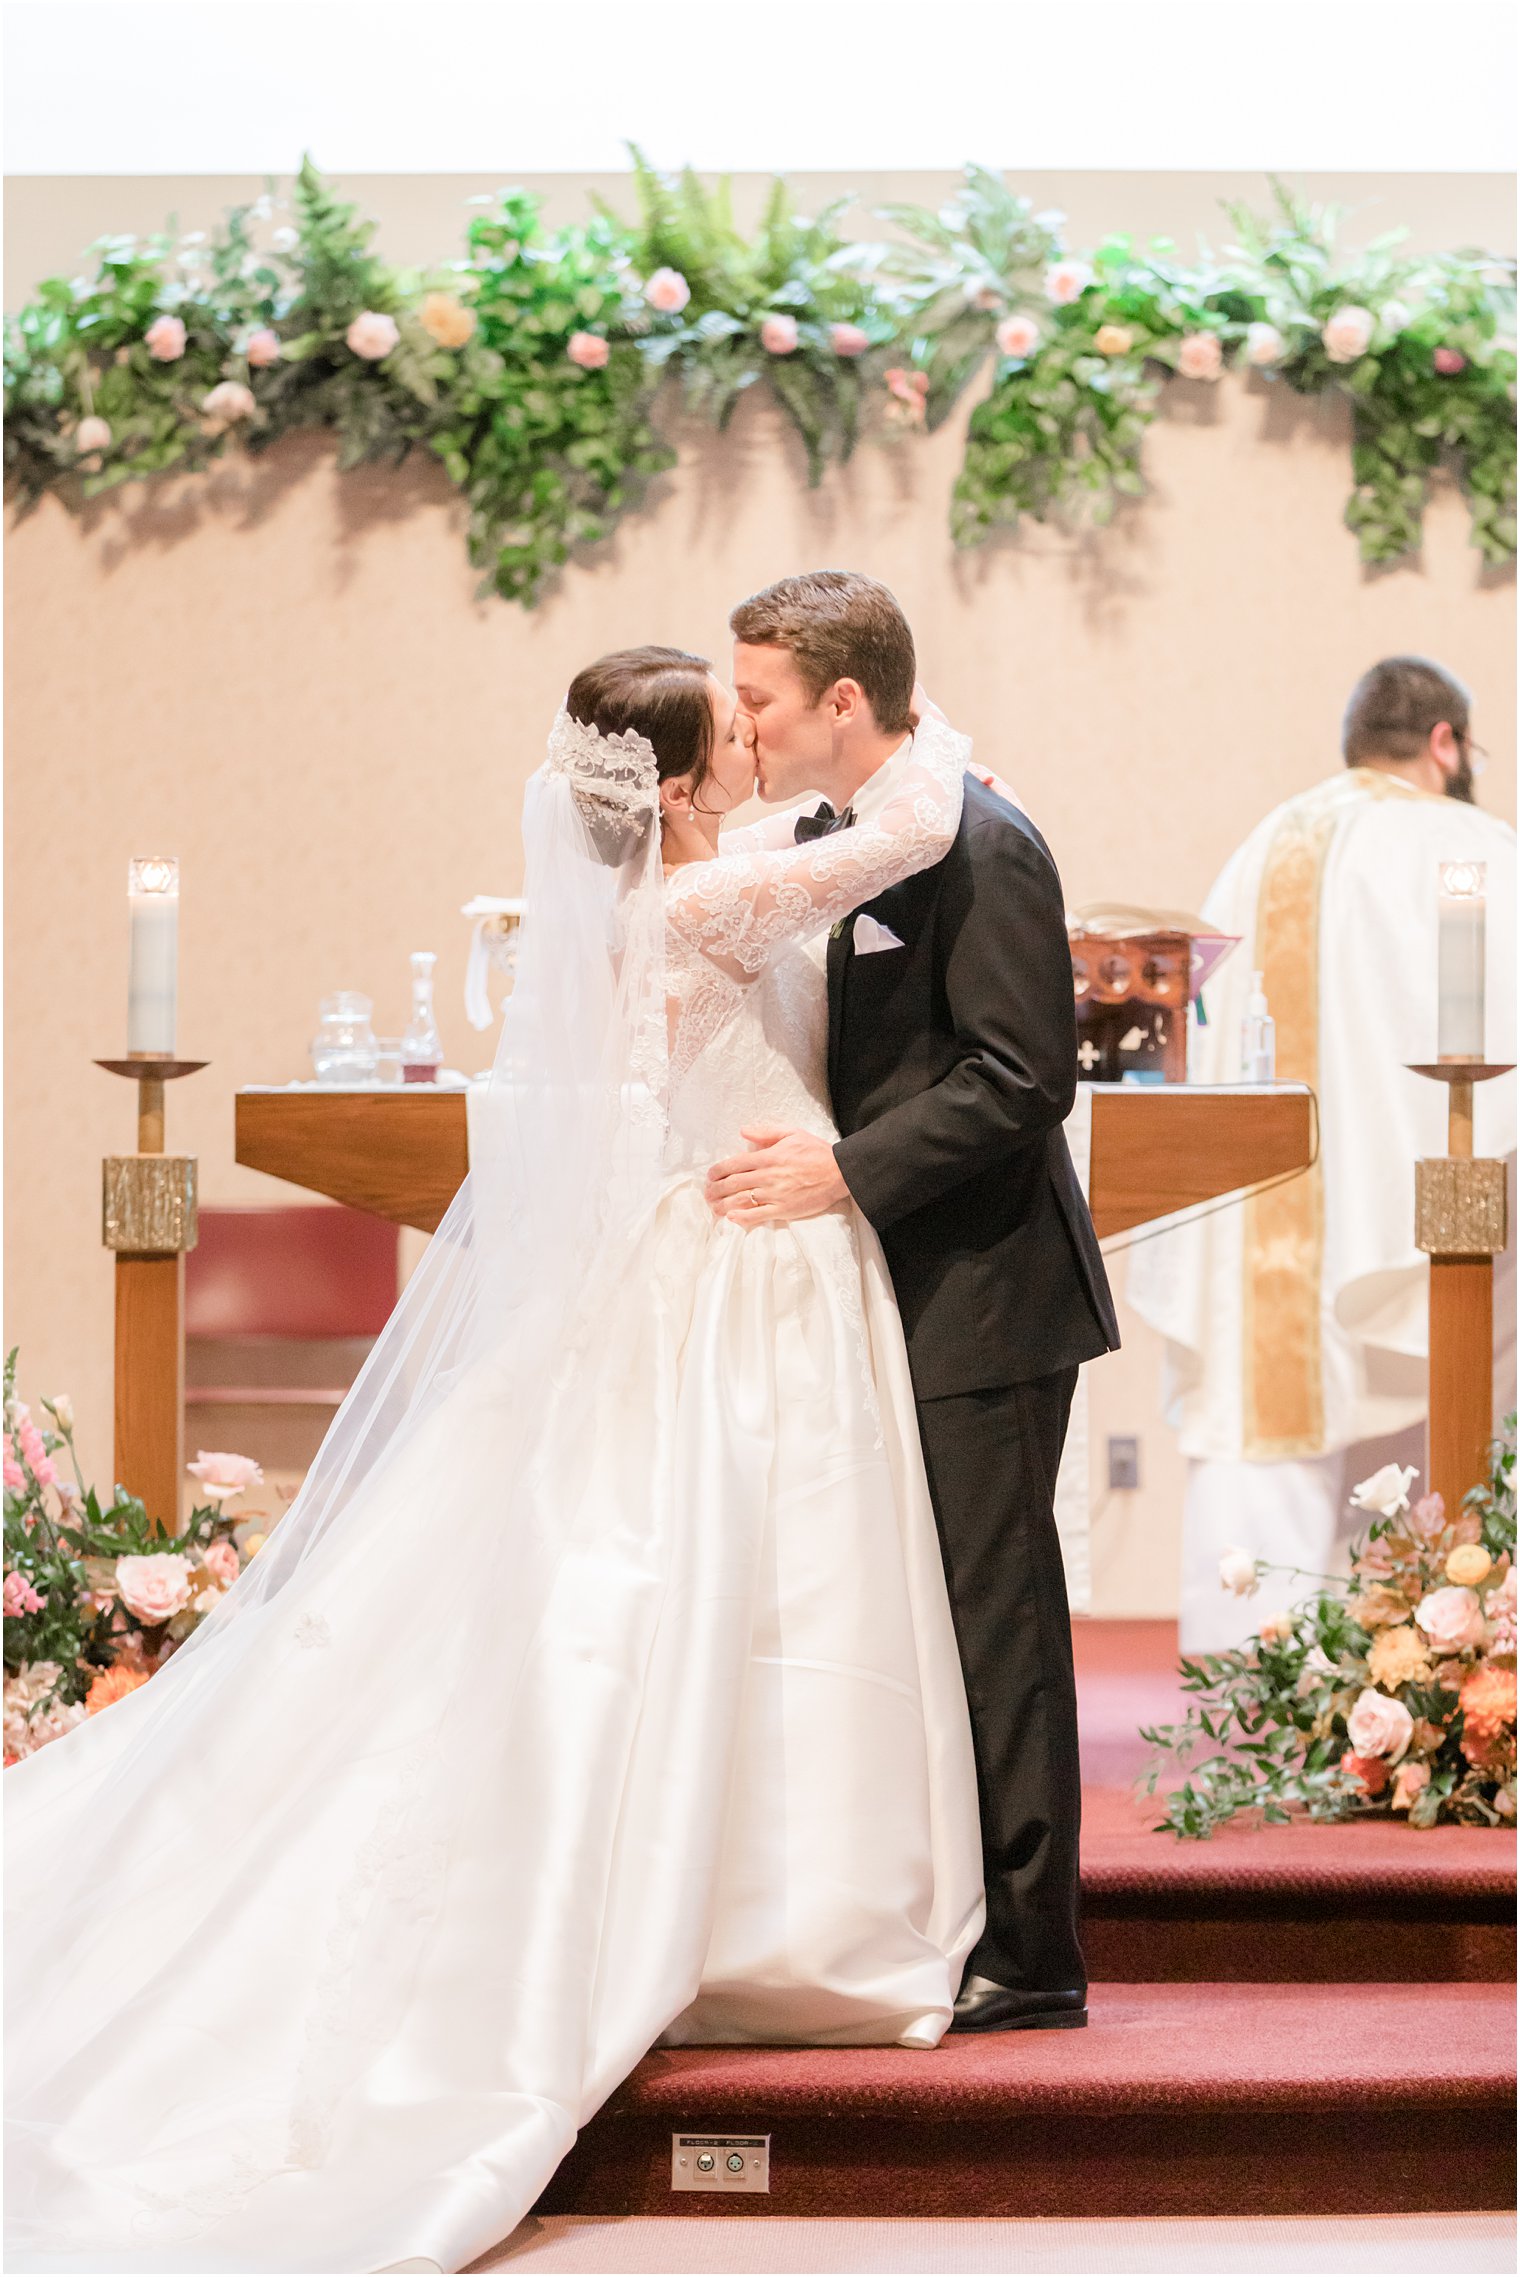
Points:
[(1283, 1404)]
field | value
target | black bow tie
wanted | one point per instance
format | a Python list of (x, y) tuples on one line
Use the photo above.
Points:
[(820, 824)]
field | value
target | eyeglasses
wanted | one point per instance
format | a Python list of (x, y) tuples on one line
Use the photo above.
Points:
[(1474, 753)]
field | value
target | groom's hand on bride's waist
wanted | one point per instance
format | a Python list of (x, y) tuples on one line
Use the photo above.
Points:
[(786, 1174)]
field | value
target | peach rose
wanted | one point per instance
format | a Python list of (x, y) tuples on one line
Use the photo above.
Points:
[(1468, 1564), (1276, 1629), (1413, 1778), (1066, 281), (1380, 1726), (262, 348), (1264, 345), (1452, 1619), (1237, 1573), (165, 339), (848, 340), (226, 403), (372, 335), (1113, 339), (92, 435), (589, 350), (1348, 334), (667, 291), (223, 1476), (778, 335), (1200, 356), (1017, 335), (446, 320), (154, 1588)]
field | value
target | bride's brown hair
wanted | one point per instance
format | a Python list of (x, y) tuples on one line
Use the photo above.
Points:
[(662, 694)]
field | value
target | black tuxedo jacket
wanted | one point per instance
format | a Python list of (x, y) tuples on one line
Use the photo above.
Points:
[(952, 1065)]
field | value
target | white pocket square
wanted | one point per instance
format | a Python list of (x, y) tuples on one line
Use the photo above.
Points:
[(869, 936)]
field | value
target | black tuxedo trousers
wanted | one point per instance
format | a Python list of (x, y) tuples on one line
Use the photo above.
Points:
[(952, 1067)]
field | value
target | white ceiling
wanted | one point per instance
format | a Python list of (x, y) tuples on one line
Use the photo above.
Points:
[(240, 86)]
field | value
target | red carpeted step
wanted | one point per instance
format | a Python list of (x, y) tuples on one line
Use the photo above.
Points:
[(1179, 2099), (1304, 1903)]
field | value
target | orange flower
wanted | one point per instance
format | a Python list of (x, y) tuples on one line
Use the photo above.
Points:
[(1488, 1712), (112, 1684), (1371, 1770)]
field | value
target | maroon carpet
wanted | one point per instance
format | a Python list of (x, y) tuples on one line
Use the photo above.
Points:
[(1294, 2020)]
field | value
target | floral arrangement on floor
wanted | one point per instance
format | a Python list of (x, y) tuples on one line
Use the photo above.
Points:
[(531, 368), (95, 1601), (1389, 1692)]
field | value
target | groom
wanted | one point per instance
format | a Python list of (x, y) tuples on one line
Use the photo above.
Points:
[(952, 1066)]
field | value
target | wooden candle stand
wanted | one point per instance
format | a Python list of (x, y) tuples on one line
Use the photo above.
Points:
[(1461, 1223), (148, 1218)]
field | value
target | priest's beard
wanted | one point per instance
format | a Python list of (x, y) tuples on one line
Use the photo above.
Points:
[(1460, 785)]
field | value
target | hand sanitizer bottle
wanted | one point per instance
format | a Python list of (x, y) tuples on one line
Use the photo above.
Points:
[(1258, 1038), (421, 1046)]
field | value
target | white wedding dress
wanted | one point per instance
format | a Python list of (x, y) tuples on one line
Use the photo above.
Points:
[(724, 1792)]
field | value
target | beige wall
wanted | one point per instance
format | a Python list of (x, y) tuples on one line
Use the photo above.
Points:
[(282, 676)]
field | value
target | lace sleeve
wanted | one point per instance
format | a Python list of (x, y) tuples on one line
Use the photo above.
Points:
[(739, 908), (769, 836)]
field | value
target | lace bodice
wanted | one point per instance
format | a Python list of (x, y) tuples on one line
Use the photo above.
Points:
[(748, 1007)]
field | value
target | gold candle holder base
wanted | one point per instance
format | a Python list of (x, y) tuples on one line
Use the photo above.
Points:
[(148, 1204), (1460, 1207)]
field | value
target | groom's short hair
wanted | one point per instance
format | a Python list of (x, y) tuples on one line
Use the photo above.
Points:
[(839, 626)]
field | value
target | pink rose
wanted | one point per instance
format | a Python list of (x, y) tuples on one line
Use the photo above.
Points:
[(372, 335), (589, 350), (1348, 334), (778, 335), (1448, 361), (667, 291), (262, 348), (1017, 335), (1452, 1619), (165, 339), (220, 1559), (1412, 1778), (93, 435), (1379, 1726), (1200, 356), (226, 403), (848, 340), (154, 1588), (20, 1597), (222, 1476), (1066, 281)]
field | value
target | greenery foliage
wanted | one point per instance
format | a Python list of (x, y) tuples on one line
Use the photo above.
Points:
[(532, 367)]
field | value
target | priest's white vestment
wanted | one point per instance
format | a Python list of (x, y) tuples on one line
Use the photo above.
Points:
[(1296, 1321)]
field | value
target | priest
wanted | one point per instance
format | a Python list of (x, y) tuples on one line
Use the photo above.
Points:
[(1296, 1321)]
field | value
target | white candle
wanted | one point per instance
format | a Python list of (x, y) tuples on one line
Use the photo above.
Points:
[(153, 970), (1461, 912)]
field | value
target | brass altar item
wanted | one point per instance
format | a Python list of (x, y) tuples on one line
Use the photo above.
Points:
[(1134, 973), (1462, 1224), (148, 1220)]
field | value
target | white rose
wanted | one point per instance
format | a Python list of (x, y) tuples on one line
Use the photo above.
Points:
[(1348, 334), (1394, 316), (154, 1588), (1264, 345), (285, 239), (1066, 281), (1237, 1573), (91, 435), (228, 402), (1387, 1491), (1379, 1726), (60, 1406)]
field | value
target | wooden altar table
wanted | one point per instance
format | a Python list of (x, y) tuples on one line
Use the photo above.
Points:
[(402, 1152)]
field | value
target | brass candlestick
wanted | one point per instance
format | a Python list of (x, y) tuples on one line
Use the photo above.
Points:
[(1461, 1222), (148, 1219)]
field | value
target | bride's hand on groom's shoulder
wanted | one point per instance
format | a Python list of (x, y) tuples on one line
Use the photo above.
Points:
[(786, 1174)]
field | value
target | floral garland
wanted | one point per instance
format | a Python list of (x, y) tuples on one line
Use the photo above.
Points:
[(532, 367), (1392, 1691), (96, 1600)]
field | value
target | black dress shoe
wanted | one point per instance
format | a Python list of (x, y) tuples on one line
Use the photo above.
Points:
[(987, 2007)]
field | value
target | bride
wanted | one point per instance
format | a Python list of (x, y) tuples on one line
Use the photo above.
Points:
[(599, 1688)]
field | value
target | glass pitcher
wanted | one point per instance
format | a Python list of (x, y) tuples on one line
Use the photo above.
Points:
[(343, 1050)]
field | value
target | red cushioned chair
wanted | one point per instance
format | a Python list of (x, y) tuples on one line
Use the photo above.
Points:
[(281, 1307)]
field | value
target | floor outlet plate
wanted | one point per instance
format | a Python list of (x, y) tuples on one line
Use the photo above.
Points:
[(720, 2162)]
